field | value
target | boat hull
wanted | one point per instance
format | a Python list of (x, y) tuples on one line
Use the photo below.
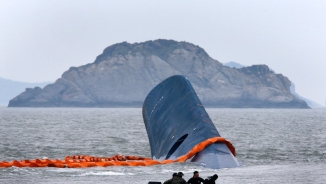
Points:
[(176, 121)]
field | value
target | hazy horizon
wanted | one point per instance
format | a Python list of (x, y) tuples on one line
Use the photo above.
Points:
[(42, 39)]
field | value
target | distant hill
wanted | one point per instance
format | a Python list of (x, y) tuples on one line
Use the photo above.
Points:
[(124, 74), (9, 89), (310, 103), (233, 64)]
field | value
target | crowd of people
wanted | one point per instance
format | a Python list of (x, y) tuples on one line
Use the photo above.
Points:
[(177, 179)]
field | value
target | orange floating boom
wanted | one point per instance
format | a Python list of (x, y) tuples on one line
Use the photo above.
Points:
[(82, 161)]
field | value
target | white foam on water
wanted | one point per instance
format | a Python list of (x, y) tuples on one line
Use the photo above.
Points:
[(66, 170), (104, 173)]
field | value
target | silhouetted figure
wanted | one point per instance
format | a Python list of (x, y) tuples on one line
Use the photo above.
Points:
[(211, 179), (196, 179), (176, 179)]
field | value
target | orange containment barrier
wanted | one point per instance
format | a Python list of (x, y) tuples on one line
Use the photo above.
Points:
[(82, 161)]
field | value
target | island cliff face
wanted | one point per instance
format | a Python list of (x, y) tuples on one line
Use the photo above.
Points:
[(124, 74)]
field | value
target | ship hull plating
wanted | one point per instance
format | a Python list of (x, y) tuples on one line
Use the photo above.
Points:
[(176, 121)]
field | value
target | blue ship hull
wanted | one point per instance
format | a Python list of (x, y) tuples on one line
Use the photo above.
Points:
[(176, 121)]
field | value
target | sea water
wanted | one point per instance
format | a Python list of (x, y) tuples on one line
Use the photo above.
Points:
[(273, 145)]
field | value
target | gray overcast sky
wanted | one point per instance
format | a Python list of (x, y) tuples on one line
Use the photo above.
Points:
[(40, 39)]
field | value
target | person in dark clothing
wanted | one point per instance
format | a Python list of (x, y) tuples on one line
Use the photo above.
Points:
[(177, 179), (180, 179), (174, 175), (196, 179), (211, 179)]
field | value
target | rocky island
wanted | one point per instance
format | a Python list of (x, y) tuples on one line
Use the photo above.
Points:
[(124, 74)]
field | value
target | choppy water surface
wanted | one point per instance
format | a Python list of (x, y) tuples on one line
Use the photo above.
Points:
[(273, 145)]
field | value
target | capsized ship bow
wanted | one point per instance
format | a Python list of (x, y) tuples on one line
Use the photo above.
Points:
[(176, 121)]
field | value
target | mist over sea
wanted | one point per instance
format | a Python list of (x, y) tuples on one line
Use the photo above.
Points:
[(273, 145)]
